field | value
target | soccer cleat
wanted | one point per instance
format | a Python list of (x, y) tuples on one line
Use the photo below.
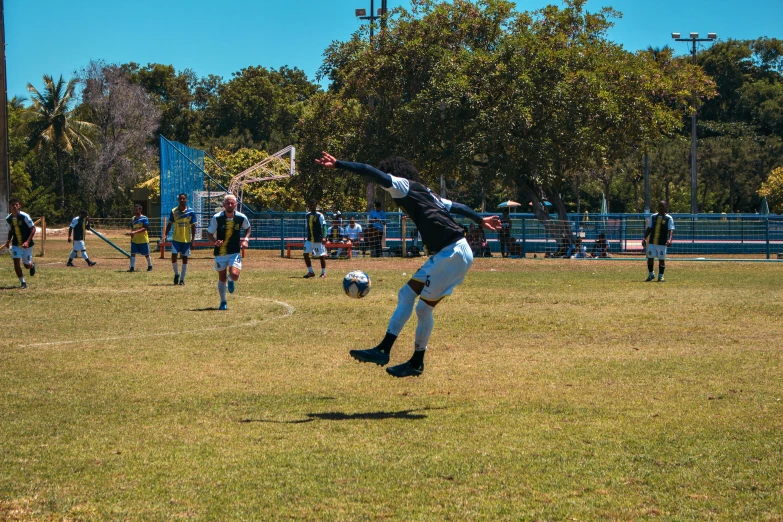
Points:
[(182, 282), (650, 277), (405, 370), (230, 286), (308, 275), (322, 276), (131, 269), (92, 263), (371, 355), (149, 268), (176, 279), (69, 263), (223, 306), (661, 279), (23, 286), (32, 270)]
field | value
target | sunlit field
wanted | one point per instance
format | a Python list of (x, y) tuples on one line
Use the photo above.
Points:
[(553, 390)]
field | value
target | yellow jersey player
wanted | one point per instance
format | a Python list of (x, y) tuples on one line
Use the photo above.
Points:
[(183, 219), (140, 239)]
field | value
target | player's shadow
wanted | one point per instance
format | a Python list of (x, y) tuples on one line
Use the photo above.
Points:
[(340, 416), (209, 309), (15, 287)]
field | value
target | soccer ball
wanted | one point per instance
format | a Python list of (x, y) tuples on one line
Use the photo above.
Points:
[(356, 284)]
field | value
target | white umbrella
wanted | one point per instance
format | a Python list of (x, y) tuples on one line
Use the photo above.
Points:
[(509, 203)]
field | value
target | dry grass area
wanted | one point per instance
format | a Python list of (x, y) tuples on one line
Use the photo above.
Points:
[(554, 390)]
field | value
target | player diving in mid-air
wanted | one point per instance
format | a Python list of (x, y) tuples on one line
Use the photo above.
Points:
[(446, 268)]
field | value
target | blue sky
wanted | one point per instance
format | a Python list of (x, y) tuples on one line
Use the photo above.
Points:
[(56, 37)]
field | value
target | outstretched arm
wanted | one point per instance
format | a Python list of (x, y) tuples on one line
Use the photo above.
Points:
[(490, 223), (370, 173)]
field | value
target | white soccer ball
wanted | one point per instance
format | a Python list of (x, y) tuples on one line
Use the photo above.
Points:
[(356, 284)]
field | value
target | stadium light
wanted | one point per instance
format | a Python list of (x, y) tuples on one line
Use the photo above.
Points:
[(361, 12), (693, 38)]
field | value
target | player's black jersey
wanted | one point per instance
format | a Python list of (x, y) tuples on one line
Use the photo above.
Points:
[(658, 228), (229, 231), (314, 227), (20, 228), (80, 228), (431, 215)]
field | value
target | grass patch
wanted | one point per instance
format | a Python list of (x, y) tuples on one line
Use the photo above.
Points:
[(554, 390)]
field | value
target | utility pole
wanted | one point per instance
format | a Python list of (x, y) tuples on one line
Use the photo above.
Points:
[(5, 166), (693, 38)]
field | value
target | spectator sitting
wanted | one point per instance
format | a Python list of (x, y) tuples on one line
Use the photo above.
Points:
[(601, 246), (353, 233), (578, 250), (335, 235)]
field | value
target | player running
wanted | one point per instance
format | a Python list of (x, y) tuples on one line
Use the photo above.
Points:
[(183, 219), (224, 231), (444, 238), (20, 237)]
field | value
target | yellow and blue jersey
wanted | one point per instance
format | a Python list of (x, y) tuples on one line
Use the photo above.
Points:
[(138, 223), (182, 221)]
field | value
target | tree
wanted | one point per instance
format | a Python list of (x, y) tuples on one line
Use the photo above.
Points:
[(772, 189), (125, 121), (51, 125)]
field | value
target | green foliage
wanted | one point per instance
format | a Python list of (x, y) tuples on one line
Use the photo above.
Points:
[(772, 189)]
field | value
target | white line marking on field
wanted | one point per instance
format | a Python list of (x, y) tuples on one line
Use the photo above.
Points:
[(289, 311)]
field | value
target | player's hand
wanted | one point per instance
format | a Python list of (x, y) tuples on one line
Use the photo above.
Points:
[(491, 223), (69, 239), (326, 160), (25, 244), (218, 242)]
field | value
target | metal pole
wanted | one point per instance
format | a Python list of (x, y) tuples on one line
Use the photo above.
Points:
[(646, 182), (694, 202), (5, 165)]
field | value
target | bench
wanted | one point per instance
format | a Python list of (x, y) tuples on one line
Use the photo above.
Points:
[(163, 244), (300, 244)]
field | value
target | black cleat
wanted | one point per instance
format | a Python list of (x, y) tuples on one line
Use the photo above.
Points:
[(92, 263), (69, 263), (32, 270), (176, 279), (309, 275), (371, 355), (131, 269), (23, 286), (182, 282), (405, 370), (149, 268)]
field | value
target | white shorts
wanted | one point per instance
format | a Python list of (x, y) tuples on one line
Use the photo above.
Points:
[(658, 251), (78, 245), (223, 262), (315, 249), (445, 270), (25, 254)]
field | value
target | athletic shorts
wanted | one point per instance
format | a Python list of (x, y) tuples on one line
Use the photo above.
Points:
[(223, 262), (658, 251), (78, 245), (178, 247), (315, 249), (445, 270), (25, 254), (140, 248)]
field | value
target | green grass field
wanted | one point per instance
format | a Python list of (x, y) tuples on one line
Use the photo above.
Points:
[(553, 390)]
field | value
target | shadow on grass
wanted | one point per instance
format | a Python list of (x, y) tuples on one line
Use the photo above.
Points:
[(339, 416), (15, 287), (210, 309)]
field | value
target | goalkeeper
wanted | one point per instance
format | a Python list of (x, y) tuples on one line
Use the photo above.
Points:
[(446, 268)]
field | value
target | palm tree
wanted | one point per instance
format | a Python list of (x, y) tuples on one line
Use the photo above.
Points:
[(50, 123)]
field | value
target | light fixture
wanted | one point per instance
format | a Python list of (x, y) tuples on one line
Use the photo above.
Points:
[(712, 36), (675, 35), (361, 12), (694, 35)]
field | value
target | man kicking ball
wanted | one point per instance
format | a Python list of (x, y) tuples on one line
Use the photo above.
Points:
[(446, 268), (225, 231)]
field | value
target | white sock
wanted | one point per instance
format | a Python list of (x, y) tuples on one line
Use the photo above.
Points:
[(184, 271), (149, 261), (222, 291), (425, 325), (406, 298), (84, 255), (21, 279), (175, 266), (133, 261), (72, 256)]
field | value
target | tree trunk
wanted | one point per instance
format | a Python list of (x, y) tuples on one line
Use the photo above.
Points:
[(62, 180)]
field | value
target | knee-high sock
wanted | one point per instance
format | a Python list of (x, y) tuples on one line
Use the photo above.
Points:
[(222, 290), (405, 301), (72, 256), (661, 266), (132, 261), (184, 271), (650, 264), (84, 255), (425, 324), (175, 267)]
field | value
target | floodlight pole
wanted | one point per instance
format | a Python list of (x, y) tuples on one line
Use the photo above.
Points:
[(694, 37)]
